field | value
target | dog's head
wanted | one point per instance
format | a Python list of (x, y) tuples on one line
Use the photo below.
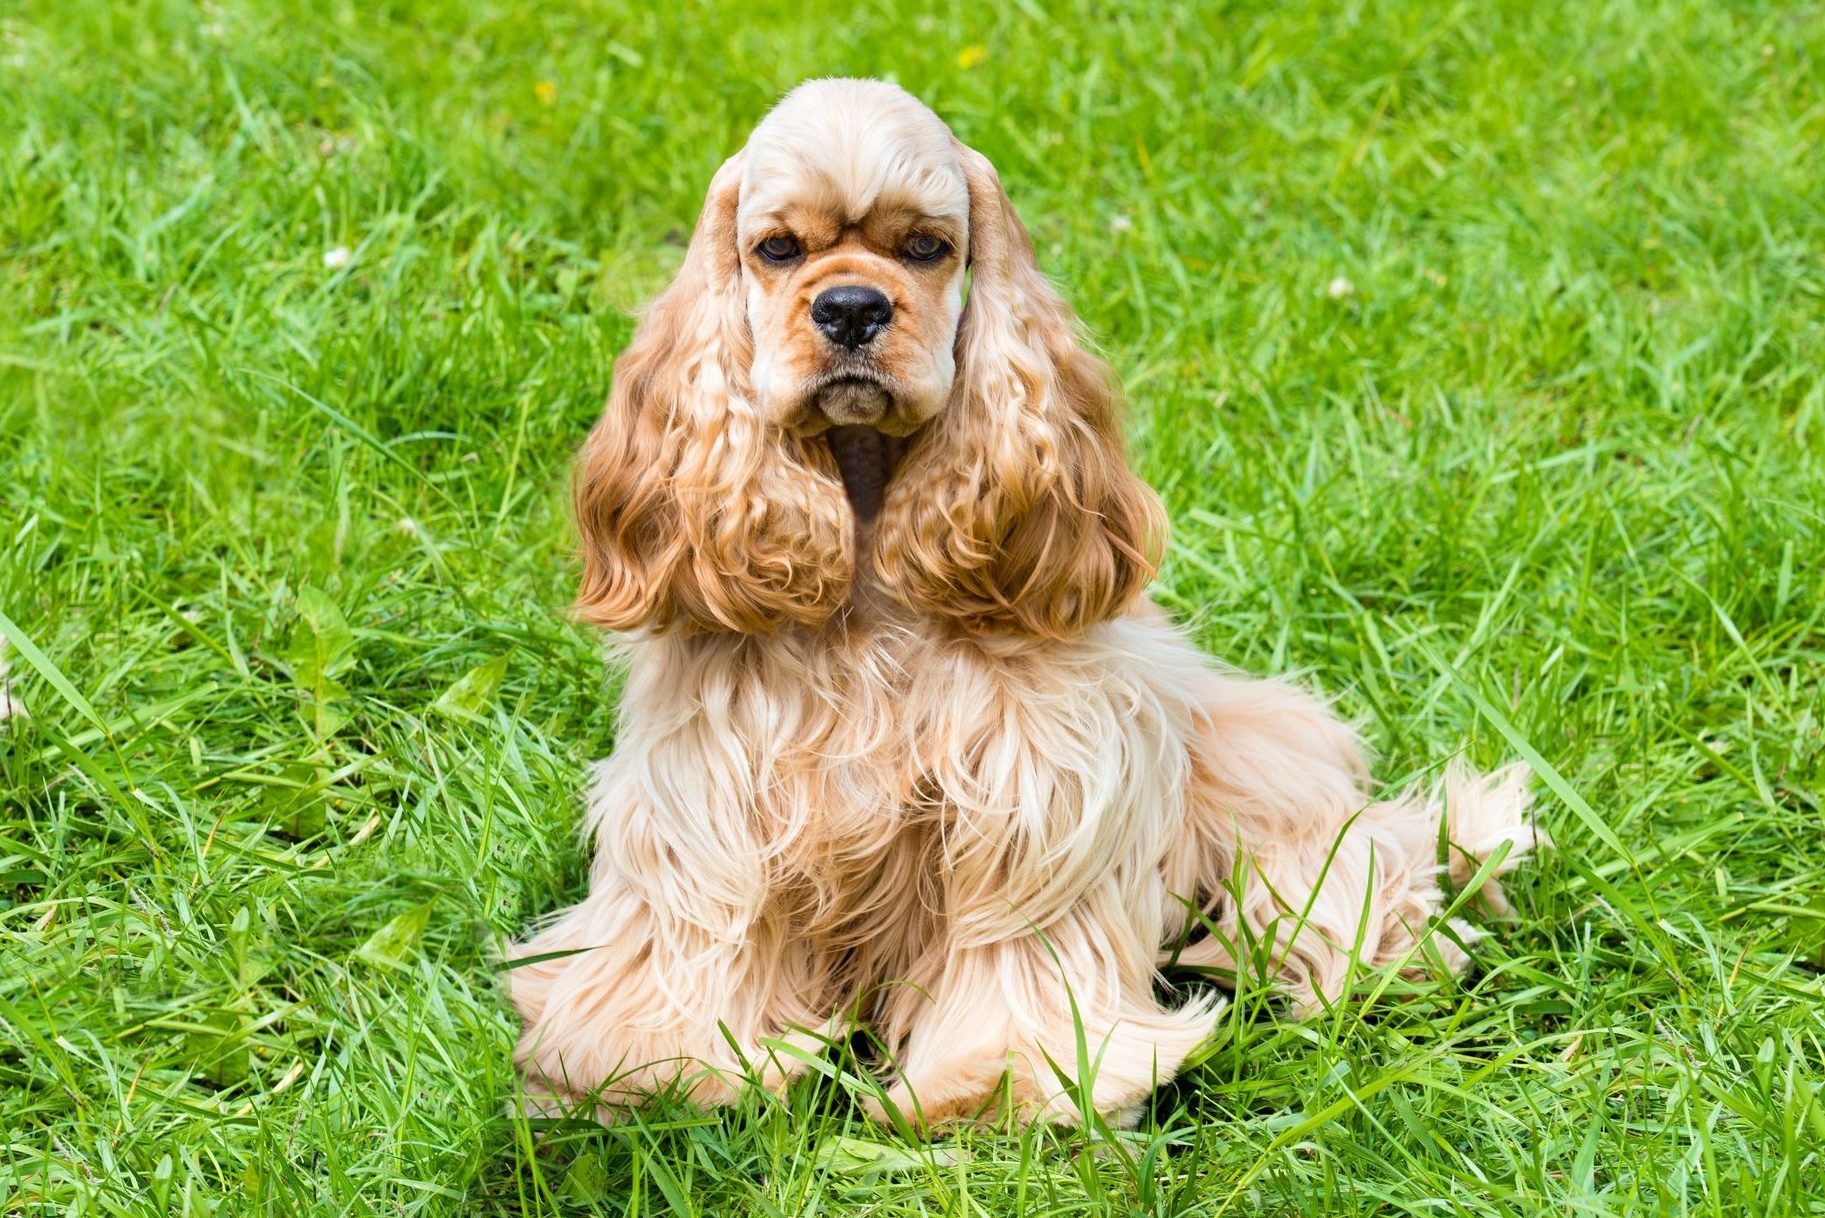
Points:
[(814, 396), (852, 224)]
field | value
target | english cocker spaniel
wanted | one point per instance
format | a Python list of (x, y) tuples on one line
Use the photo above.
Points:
[(901, 741)]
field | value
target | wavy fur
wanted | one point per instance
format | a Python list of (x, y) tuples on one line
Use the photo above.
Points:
[(945, 772), (1018, 510), (695, 509)]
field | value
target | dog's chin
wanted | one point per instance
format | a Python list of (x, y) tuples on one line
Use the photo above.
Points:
[(855, 402)]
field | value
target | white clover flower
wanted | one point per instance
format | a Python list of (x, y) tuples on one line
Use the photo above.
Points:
[(1340, 287), (337, 258)]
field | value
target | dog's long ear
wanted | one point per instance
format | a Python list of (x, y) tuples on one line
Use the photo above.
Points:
[(694, 510), (1015, 510)]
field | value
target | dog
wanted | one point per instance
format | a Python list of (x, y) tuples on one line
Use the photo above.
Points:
[(902, 742)]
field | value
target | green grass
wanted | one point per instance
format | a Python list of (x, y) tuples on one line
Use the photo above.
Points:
[(1548, 476)]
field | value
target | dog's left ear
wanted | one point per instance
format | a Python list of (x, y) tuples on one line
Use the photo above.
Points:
[(1015, 510)]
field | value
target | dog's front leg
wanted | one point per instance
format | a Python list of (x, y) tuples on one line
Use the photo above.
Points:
[(1047, 1024), (674, 972), (1056, 780)]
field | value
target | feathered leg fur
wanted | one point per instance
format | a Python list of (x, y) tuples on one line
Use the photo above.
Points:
[(992, 845), (1286, 844), (1057, 775)]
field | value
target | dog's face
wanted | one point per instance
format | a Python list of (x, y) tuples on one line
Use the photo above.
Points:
[(812, 402), (852, 255)]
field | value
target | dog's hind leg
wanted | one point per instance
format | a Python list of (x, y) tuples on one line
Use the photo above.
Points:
[(1297, 862)]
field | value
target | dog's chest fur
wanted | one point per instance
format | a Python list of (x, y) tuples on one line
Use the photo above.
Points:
[(796, 755), (883, 774)]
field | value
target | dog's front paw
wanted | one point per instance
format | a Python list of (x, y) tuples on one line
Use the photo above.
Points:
[(1026, 1085), (964, 1091)]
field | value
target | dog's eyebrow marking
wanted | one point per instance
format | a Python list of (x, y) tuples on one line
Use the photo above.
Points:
[(890, 226), (813, 226)]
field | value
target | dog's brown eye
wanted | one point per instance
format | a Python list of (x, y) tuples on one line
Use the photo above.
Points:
[(779, 249), (925, 248)]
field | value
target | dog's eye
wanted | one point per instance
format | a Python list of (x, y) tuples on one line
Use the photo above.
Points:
[(778, 249), (925, 248)]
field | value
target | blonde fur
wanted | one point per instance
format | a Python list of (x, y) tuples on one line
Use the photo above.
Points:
[(943, 771)]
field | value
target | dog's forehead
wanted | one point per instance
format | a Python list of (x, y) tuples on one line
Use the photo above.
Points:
[(848, 147)]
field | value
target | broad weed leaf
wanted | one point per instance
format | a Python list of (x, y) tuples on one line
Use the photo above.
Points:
[(393, 944), (473, 691), (322, 648)]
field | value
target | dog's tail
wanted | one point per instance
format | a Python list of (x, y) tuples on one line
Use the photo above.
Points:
[(1482, 813)]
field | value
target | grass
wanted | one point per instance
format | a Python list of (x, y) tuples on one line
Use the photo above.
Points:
[(1477, 352)]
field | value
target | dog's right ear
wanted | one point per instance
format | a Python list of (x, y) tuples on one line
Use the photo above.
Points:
[(694, 510)]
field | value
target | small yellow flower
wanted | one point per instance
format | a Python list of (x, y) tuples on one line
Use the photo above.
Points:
[(546, 92), (971, 56)]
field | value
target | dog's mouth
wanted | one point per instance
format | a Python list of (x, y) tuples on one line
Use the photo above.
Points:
[(866, 459)]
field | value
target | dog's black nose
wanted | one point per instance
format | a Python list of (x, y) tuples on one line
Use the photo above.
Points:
[(850, 316)]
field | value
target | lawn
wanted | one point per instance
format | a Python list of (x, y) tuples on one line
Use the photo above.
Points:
[(1477, 352)]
